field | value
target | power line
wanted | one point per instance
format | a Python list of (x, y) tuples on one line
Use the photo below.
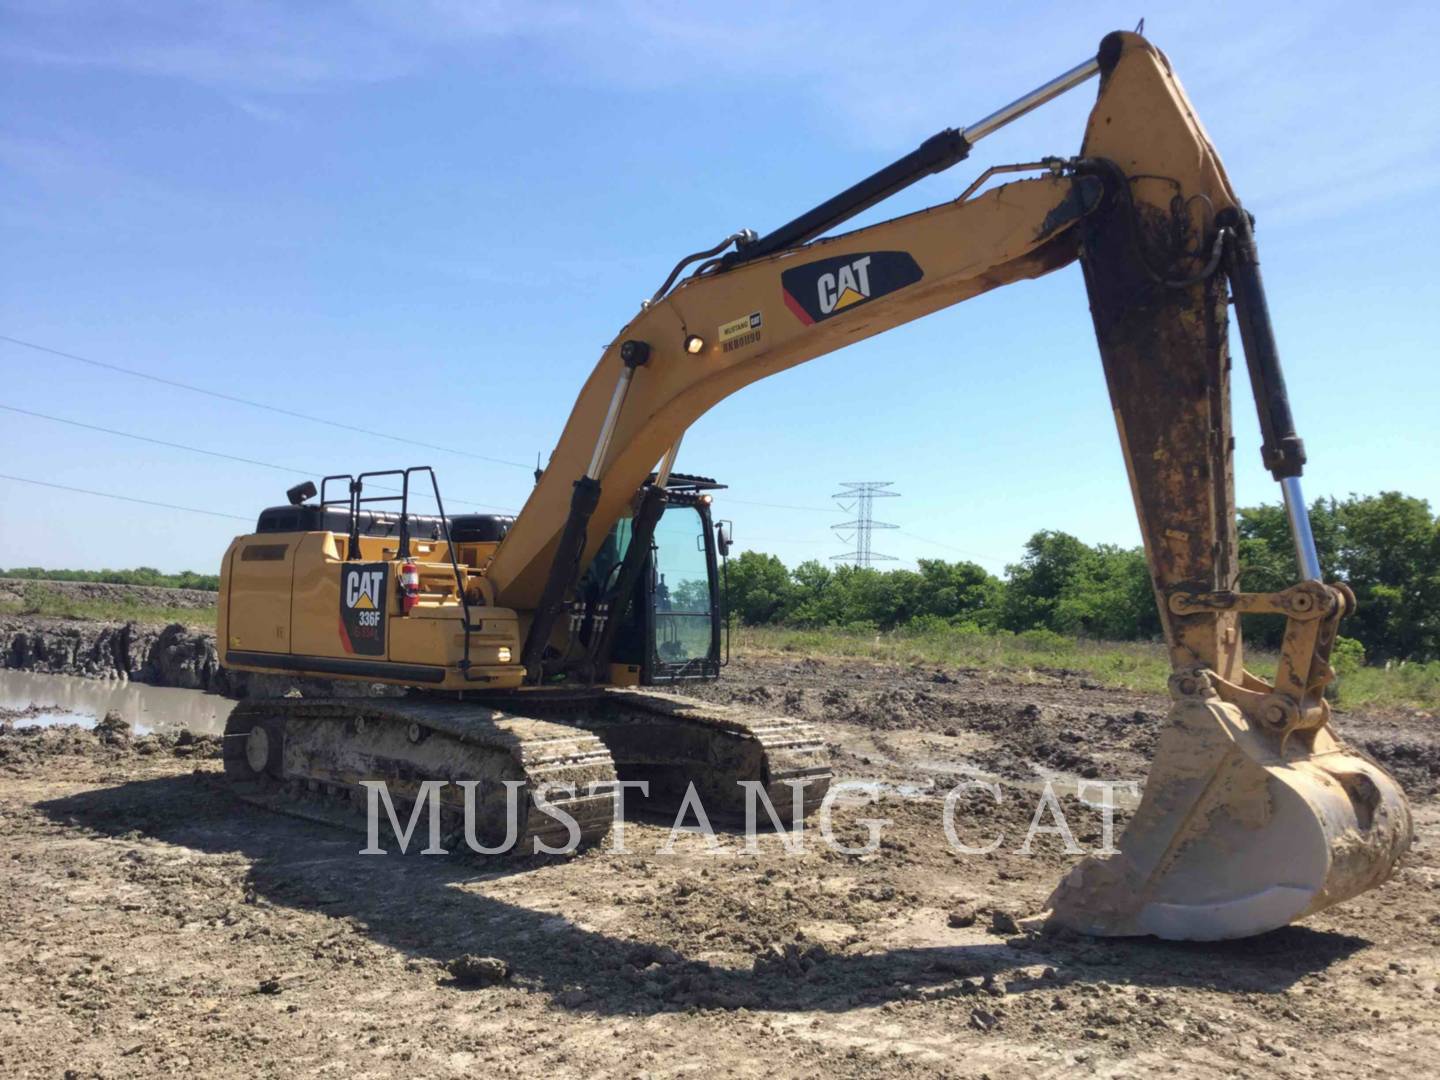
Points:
[(122, 498), (238, 517), (257, 404), (783, 506), (298, 471), (156, 442), (292, 470), (310, 419), (952, 547), (306, 417)]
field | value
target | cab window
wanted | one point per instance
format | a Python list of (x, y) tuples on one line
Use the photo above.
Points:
[(681, 589)]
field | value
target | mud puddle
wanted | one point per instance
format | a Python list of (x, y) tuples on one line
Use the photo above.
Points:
[(42, 718), (64, 699)]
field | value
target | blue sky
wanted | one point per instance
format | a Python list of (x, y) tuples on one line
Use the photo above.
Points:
[(429, 217)]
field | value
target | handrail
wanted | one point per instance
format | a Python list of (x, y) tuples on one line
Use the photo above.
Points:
[(356, 498)]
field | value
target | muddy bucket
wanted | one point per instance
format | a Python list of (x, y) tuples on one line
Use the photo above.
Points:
[(1238, 833)]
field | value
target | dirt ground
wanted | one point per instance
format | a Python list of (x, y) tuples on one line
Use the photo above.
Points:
[(16, 589), (151, 924)]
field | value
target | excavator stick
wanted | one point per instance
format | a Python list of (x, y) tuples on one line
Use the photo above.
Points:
[(1254, 813)]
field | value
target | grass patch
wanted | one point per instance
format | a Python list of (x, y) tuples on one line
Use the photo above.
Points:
[(1124, 664), (141, 575), (1127, 665), (41, 600), (1407, 684)]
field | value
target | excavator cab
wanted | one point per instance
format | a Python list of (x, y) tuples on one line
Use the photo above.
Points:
[(671, 629)]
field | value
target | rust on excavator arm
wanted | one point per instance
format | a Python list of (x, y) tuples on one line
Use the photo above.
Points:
[(1164, 345)]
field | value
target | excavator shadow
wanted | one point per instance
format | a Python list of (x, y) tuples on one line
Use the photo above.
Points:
[(428, 909)]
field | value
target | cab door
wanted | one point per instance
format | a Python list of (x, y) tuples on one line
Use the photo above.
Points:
[(683, 621)]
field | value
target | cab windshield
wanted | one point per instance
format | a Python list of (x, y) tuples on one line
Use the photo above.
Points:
[(683, 624)]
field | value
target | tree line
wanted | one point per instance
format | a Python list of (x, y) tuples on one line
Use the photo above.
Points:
[(1386, 547), (141, 575)]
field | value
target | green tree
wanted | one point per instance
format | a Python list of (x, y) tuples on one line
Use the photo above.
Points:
[(958, 592), (1386, 547), (1388, 552), (142, 575), (819, 601), (1267, 552), (759, 588), (1109, 595), (1035, 583), (691, 594)]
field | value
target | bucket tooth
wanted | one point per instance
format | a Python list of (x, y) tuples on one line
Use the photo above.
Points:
[(1236, 836)]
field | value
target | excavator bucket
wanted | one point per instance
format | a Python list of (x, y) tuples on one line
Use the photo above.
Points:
[(1237, 834)]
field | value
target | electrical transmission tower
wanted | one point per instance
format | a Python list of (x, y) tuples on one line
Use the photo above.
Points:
[(861, 496)]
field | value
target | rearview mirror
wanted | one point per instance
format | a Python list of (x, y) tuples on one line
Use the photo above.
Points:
[(723, 539), (300, 492)]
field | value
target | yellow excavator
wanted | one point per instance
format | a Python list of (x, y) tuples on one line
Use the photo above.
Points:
[(538, 649)]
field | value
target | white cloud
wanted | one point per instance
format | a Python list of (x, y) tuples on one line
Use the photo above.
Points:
[(1311, 118)]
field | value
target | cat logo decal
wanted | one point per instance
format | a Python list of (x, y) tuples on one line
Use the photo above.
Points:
[(820, 290), (362, 608)]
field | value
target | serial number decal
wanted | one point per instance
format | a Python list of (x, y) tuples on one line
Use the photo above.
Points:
[(738, 333)]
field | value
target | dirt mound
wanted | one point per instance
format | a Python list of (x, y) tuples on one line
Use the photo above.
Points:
[(24, 748), (15, 589), (1412, 760), (173, 655)]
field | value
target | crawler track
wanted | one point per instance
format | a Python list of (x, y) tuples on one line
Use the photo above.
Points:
[(673, 741), (311, 755), (308, 757)]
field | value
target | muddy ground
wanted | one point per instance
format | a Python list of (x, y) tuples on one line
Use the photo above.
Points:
[(150, 923)]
